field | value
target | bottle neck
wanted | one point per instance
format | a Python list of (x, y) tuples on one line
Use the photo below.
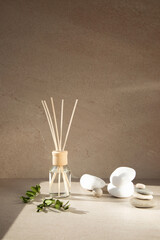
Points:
[(59, 158)]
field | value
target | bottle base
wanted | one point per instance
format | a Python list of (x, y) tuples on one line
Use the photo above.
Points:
[(61, 195)]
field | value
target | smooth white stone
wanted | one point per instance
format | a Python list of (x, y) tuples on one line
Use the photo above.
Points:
[(122, 175), (142, 203), (144, 191), (90, 182), (144, 197), (97, 192), (123, 191), (140, 185)]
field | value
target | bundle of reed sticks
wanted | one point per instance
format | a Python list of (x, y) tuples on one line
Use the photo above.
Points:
[(57, 138)]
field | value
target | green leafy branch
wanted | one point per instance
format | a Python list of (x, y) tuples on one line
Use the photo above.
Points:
[(30, 195), (47, 203), (52, 203)]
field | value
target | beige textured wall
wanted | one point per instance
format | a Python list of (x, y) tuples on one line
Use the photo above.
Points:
[(106, 53)]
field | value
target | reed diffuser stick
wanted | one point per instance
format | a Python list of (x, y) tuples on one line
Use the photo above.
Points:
[(59, 181), (69, 126), (49, 123), (55, 121), (52, 180), (64, 180), (61, 125), (65, 175), (53, 131)]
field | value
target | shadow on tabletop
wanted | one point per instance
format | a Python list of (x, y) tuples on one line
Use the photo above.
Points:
[(11, 204), (89, 197)]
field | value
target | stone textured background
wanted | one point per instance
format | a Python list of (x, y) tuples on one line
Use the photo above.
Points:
[(107, 54)]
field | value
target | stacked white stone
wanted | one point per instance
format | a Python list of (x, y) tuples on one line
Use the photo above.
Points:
[(143, 198), (121, 185)]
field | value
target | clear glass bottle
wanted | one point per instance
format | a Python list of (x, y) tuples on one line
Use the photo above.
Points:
[(59, 175)]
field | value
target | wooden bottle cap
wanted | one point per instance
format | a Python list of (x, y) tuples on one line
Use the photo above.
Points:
[(59, 158)]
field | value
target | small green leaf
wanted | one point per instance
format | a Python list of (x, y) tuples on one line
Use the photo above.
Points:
[(48, 202), (34, 189), (40, 205), (54, 200), (38, 188), (59, 203), (57, 206), (25, 199), (66, 207), (31, 193), (65, 204)]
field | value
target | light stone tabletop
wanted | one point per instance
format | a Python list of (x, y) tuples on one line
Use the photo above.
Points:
[(105, 218)]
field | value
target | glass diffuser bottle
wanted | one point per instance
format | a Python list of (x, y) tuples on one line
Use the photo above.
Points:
[(59, 175)]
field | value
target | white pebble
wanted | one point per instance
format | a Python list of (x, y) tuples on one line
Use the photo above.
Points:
[(144, 197), (97, 192), (140, 185), (90, 182)]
